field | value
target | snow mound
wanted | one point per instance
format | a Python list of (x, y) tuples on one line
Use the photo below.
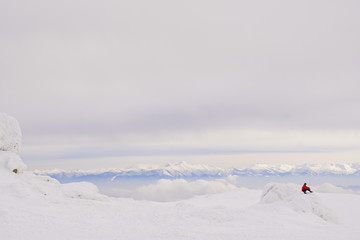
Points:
[(10, 134), (27, 185), (291, 196), (10, 161), (44, 188), (275, 192)]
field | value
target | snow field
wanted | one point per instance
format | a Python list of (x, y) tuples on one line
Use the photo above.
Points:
[(41, 208), (37, 207)]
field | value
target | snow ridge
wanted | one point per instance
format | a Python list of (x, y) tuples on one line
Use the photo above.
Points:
[(186, 170)]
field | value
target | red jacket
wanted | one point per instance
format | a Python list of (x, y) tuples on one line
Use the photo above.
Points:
[(304, 187)]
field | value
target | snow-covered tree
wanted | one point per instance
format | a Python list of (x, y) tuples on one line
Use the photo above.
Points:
[(10, 134), (10, 143)]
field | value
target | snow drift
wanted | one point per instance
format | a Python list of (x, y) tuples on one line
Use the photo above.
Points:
[(290, 196), (28, 185), (10, 161)]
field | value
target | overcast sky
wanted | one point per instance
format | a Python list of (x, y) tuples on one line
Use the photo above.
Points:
[(136, 79)]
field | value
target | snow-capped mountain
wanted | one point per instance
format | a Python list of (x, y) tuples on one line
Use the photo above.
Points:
[(306, 169), (186, 170)]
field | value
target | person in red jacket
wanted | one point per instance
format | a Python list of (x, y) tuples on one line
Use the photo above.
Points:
[(305, 188)]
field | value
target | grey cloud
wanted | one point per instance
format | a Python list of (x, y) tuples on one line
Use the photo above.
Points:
[(113, 67)]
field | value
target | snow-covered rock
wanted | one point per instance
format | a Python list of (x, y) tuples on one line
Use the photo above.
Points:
[(28, 185), (10, 134), (290, 195), (31, 186), (275, 192)]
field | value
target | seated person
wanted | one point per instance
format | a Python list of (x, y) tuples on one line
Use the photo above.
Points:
[(305, 188)]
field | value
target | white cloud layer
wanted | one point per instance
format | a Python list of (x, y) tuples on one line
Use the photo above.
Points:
[(166, 190)]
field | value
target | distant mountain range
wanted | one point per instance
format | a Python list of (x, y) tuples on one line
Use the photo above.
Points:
[(186, 170)]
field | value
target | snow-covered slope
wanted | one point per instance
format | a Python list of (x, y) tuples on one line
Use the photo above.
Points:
[(41, 208), (38, 207)]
